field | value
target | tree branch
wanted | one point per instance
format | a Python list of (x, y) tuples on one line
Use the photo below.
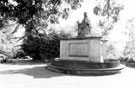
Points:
[(16, 28)]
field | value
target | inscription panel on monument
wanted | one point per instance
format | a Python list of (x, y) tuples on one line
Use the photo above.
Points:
[(79, 49)]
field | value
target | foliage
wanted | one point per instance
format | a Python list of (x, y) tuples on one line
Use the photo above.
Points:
[(129, 51), (45, 47), (18, 53), (127, 54), (109, 10), (7, 42), (111, 51), (35, 14), (8, 45)]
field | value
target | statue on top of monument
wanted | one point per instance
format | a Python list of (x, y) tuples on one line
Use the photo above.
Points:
[(84, 27)]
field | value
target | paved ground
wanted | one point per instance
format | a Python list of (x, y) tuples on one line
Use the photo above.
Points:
[(34, 75)]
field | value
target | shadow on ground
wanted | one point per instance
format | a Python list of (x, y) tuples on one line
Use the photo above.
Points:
[(30, 68), (36, 72), (26, 62)]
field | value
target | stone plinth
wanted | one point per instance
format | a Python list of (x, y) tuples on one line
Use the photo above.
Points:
[(81, 49)]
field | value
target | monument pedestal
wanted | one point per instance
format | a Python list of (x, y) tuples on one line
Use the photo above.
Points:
[(81, 49), (84, 56)]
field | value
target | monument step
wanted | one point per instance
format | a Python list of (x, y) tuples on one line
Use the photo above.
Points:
[(106, 71), (85, 64)]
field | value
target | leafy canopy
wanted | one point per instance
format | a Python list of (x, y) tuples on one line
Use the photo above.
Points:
[(35, 14), (109, 10)]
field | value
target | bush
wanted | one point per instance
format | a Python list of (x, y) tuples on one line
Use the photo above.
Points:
[(7, 45), (45, 47), (19, 53)]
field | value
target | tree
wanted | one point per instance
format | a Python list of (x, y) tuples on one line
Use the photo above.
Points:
[(109, 11), (35, 15), (129, 51)]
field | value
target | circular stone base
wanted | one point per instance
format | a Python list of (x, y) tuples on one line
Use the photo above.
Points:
[(83, 71)]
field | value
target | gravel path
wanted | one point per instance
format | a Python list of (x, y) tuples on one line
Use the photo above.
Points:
[(27, 75)]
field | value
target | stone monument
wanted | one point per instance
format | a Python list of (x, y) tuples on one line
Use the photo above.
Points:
[(84, 27), (84, 47), (83, 54)]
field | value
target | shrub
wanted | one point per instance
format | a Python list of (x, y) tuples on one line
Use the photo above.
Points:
[(18, 53), (7, 45), (45, 47), (129, 52)]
